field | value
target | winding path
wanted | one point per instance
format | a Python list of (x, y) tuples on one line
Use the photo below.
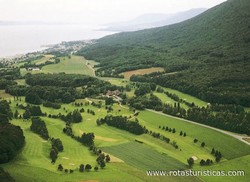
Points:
[(234, 135)]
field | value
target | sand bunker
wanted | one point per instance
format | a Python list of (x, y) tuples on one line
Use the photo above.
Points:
[(195, 158)]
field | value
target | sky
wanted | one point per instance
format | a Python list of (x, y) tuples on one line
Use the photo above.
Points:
[(94, 12)]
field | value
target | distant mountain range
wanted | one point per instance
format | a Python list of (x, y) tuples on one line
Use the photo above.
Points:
[(30, 23), (153, 20)]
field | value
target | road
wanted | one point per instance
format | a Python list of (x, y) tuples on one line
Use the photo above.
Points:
[(234, 135)]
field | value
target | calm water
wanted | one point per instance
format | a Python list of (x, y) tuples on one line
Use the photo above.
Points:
[(19, 39)]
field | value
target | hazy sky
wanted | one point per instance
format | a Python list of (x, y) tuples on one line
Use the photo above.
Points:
[(92, 11)]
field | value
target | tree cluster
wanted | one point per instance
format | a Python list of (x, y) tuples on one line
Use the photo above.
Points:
[(56, 147), (11, 137), (72, 117), (38, 126), (122, 123)]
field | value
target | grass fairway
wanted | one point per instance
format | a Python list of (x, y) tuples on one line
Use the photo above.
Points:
[(72, 65), (43, 60), (187, 97), (232, 165), (33, 163), (167, 100), (129, 159), (230, 147), (144, 157), (128, 74)]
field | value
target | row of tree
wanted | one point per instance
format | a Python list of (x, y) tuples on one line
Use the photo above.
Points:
[(56, 147), (122, 123), (38, 126)]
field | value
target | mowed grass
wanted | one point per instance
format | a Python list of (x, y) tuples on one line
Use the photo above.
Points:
[(167, 100), (187, 97), (142, 157), (237, 165), (115, 81), (72, 65), (229, 146), (43, 60), (128, 74), (33, 163)]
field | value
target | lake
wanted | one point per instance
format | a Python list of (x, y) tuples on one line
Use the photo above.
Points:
[(20, 39)]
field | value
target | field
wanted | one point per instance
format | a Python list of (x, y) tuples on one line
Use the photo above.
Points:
[(167, 100), (235, 165), (69, 65), (212, 138), (128, 74), (144, 157), (187, 97)]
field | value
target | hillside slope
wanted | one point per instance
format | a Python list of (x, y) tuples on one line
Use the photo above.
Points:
[(154, 20), (210, 53)]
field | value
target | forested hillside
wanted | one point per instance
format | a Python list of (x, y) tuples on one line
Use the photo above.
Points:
[(210, 54)]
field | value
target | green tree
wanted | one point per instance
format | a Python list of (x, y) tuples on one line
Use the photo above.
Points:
[(60, 167), (190, 161), (96, 168), (88, 167), (33, 98), (81, 168), (203, 144)]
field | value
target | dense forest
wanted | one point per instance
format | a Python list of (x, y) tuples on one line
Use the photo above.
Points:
[(12, 138), (59, 88), (209, 54)]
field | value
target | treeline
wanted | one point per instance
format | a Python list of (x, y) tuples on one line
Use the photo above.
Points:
[(59, 80), (59, 88), (7, 77), (56, 147), (37, 94), (227, 108), (238, 123), (11, 137), (72, 117), (218, 91), (52, 105), (4, 83), (86, 139), (38, 126), (234, 121), (10, 73), (27, 65), (146, 101), (122, 123)]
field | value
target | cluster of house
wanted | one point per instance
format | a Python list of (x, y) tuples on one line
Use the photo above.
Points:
[(33, 69), (114, 94)]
